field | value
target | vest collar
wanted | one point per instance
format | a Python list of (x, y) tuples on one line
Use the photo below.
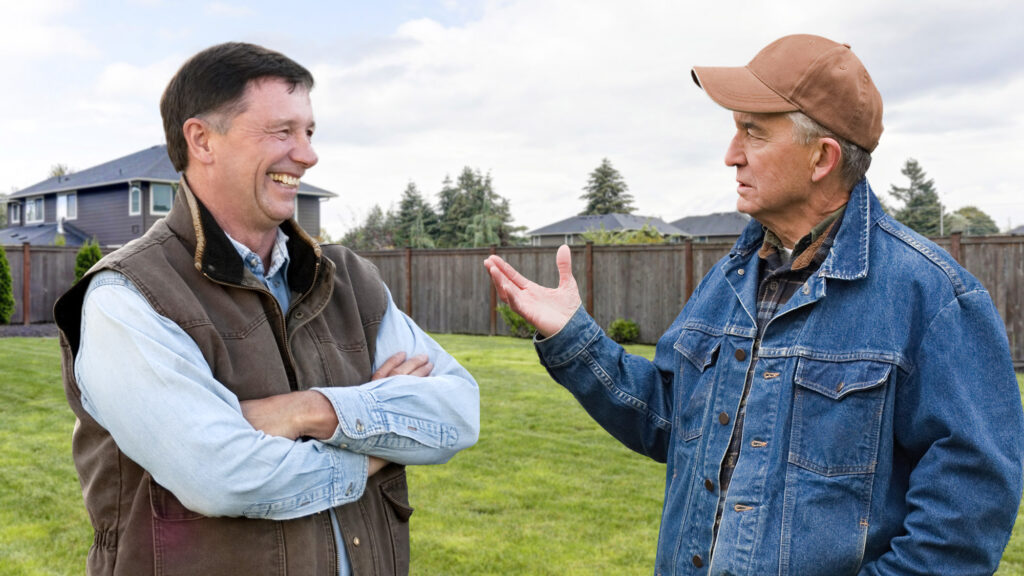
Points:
[(216, 257)]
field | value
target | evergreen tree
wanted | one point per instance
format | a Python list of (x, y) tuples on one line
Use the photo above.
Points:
[(975, 222), (605, 192), (473, 214), (6, 289), (87, 255), (417, 223), (376, 233), (921, 209)]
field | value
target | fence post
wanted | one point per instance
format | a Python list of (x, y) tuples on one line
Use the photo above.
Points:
[(689, 268), (408, 282), (954, 247), (589, 259), (494, 298), (26, 284)]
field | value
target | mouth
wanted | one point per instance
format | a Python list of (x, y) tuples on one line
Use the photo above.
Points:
[(284, 179)]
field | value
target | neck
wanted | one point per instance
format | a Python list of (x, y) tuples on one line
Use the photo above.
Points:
[(259, 237)]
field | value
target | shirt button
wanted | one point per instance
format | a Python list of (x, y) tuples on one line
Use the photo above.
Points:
[(698, 561), (723, 418), (740, 354), (807, 289), (359, 425), (709, 485), (741, 271), (773, 285)]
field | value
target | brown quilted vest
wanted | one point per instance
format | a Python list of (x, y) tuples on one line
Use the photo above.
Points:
[(189, 272)]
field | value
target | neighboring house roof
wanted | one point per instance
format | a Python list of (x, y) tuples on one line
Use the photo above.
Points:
[(1018, 231), (717, 224), (41, 234), (611, 222), (151, 164)]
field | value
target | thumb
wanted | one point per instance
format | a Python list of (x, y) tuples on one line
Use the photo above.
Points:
[(563, 260)]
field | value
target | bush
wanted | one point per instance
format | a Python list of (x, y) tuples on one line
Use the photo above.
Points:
[(623, 331), (6, 289), (88, 255), (517, 325)]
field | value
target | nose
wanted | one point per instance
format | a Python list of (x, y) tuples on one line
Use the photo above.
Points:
[(734, 153), (304, 154)]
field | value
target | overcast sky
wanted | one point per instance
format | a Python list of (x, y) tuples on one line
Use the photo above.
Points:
[(536, 92)]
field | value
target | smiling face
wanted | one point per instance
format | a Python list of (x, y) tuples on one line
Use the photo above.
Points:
[(773, 171), (261, 157)]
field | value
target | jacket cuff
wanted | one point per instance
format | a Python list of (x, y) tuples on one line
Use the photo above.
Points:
[(564, 345)]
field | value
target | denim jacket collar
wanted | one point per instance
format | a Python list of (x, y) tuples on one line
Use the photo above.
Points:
[(848, 259)]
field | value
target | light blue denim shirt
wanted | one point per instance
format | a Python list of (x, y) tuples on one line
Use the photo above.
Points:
[(883, 432), (145, 381)]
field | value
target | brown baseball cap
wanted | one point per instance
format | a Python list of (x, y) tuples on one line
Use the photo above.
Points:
[(819, 77)]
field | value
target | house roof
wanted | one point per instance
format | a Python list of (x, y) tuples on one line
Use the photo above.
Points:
[(717, 224), (1018, 231), (151, 164), (41, 235), (611, 222)]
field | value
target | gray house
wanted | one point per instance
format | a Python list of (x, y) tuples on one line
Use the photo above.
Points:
[(717, 227), (569, 231), (114, 202)]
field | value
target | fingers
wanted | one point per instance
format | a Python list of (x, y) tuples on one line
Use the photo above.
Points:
[(390, 364), (506, 269), (397, 365)]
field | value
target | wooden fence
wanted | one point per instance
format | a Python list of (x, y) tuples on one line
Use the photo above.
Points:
[(448, 291)]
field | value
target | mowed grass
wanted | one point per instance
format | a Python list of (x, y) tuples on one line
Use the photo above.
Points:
[(545, 491)]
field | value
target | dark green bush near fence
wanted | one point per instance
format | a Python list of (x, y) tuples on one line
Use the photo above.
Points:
[(6, 289), (517, 325), (88, 255), (623, 331)]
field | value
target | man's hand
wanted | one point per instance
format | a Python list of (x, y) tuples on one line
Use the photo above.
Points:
[(548, 309), (397, 365), (292, 415)]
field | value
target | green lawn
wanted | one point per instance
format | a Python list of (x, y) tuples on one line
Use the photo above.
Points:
[(545, 491)]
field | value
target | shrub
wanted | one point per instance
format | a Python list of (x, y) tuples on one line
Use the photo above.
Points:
[(517, 325), (88, 255), (623, 331), (6, 289)]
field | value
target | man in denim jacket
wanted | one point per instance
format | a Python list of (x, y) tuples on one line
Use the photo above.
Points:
[(837, 396)]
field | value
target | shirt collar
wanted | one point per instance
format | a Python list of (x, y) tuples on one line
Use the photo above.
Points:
[(278, 255)]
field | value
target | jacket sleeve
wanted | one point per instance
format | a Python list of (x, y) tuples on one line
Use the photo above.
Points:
[(959, 420), (629, 396)]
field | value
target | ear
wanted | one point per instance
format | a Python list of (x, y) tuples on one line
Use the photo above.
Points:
[(197, 136), (825, 159)]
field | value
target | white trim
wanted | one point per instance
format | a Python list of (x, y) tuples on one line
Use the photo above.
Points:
[(131, 189), (152, 196), (67, 215), (42, 210)]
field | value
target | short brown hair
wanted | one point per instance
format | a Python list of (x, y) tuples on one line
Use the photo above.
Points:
[(214, 82)]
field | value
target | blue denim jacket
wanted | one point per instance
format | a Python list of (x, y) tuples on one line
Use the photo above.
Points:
[(883, 430)]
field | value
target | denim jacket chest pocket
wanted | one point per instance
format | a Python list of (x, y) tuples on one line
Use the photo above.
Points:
[(698, 352), (837, 415)]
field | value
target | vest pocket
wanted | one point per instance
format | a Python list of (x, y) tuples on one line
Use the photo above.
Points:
[(396, 508), (186, 543), (837, 415)]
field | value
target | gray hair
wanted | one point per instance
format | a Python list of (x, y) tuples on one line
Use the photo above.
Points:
[(855, 160)]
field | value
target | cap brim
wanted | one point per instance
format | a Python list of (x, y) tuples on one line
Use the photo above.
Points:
[(737, 89)]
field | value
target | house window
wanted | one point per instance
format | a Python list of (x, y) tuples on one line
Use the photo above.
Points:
[(15, 213), (161, 196), (67, 206), (34, 210), (135, 201)]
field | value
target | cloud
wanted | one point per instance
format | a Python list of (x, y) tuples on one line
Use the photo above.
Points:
[(226, 9), (32, 33)]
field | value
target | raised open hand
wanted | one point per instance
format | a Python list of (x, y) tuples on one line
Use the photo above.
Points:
[(548, 309)]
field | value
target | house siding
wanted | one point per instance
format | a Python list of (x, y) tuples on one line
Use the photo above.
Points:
[(308, 214), (103, 214)]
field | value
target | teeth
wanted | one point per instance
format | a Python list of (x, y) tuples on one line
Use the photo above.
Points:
[(285, 179)]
